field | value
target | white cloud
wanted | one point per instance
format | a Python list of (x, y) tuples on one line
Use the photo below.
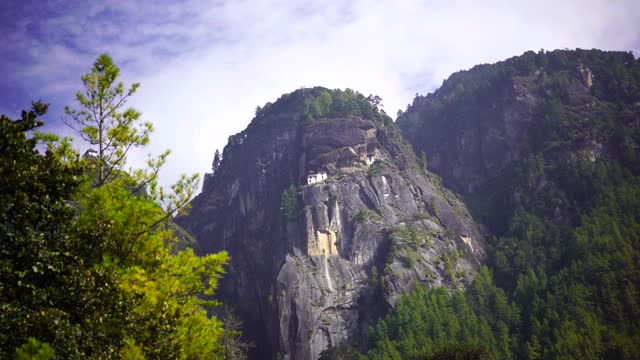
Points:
[(391, 48), (204, 65)]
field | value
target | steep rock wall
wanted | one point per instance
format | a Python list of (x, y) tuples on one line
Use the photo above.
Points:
[(373, 229)]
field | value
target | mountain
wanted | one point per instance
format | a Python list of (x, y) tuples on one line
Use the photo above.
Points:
[(481, 120), (545, 150), (344, 242), (329, 218)]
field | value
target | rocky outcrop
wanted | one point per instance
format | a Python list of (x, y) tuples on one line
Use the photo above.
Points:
[(483, 119), (375, 227)]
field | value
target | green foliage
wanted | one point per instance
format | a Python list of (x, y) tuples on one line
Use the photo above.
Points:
[(35, 269), (373, 279), (34, 350), (379, 167), (567, 258), (387, 120), (425, 321), (367, 215), (362, 216), (89, 267), (448, 267), (102, 120), (433, 203), (564, 213), (233, 346), (170, 317), (460, 351), (85, 283), (289, 204), (216, 161), (411, 235), (423, 160), (343, 351), (336, 103), (215, 165), (588, 308), (437, 323), (410, 258), (131, 351)]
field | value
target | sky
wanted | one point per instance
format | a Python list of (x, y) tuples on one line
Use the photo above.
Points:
[(205, 65)]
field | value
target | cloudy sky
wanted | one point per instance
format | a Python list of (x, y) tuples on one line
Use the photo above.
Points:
[(205, 65)]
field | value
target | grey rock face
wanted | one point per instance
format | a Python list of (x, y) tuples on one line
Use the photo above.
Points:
[(483, 119), (467, 155), (373, 229)]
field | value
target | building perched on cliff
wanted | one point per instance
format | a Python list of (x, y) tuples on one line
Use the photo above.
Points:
[(297, 277), (90, 154), (318, 177)]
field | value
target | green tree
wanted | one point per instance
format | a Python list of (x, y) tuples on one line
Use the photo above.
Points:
[(215, 165), (36, 268), (90, 270), (233, 346), (104, 122), (289, 204), (89, 267), (342, 351), (463, 351), (34, 350), (102, 119), (133, 234), (433, 323), (423, 160), (216, 162)]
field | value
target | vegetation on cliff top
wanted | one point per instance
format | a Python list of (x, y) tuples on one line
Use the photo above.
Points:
[(318, 102)]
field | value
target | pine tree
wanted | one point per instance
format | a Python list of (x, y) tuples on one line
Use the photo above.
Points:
[(102, 119), (88, 267), (216, 162)]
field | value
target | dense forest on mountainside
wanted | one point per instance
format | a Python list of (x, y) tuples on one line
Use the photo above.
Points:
[(546, 149)]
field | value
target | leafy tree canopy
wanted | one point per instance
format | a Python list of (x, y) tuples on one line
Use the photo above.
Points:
[(87, 260)]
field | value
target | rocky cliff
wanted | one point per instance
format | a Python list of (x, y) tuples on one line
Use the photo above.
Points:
[(483, 119), (328, 218), (545, 148)]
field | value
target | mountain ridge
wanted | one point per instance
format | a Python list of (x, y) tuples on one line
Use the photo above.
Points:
[(374, 213), (545, 149), (332, 218)]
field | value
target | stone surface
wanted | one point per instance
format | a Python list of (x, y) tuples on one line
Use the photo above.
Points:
[(483, 119), (305, 285)]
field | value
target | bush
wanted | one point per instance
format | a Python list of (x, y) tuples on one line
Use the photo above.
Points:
[(289, 204)]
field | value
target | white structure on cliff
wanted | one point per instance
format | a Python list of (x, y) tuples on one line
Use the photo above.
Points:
[(314, 178)]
